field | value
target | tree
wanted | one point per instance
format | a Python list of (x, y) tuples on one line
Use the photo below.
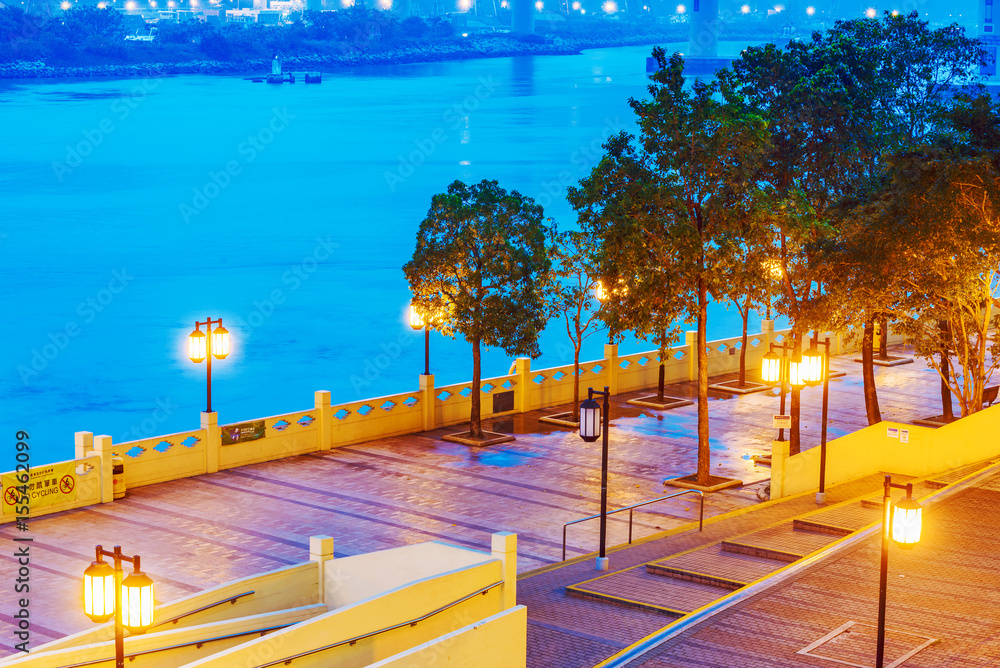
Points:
[(481, 262), (657, 209), (572, 292)]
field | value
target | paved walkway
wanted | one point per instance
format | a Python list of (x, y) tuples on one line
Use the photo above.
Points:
[(198, 532)]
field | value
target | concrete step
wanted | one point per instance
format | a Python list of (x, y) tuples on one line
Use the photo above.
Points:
[(945, 479), (714, 566), (840, 521), (635, 588), (781, 543)]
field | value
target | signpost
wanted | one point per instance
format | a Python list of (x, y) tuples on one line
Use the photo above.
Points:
[(242, 432)]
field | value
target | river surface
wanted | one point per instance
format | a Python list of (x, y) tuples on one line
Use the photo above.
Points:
[(132, 208)]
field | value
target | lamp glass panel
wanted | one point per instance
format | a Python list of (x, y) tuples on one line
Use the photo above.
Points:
[(416, 320), (99, 591), (197, 346), (137, 601), (796, 375), (813, 366), (906, 520), (220, 342), (590, 420), (770, 370)]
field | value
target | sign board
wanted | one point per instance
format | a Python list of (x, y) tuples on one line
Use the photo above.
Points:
[(892, 432), (904, 435), (47, 486), (242, 432), (781, 421)]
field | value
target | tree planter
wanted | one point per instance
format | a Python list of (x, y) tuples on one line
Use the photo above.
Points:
[(887, 361), (561, 420), (489, 438), (733, 387), (715, 483), (664, 404)]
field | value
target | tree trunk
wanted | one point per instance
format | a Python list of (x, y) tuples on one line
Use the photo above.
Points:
[(663, 375), (868, 373), (795, 407), (704, 454), (576, 384), (743, 348), (946, 407), (883, 341), (475, 419)]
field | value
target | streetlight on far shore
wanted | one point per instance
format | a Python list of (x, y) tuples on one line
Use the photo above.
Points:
[(590, 430), (206, 345)]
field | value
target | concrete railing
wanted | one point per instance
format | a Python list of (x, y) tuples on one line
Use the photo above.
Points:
[(215, 447)]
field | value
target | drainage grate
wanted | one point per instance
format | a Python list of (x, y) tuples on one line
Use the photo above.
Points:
[(854, 644)]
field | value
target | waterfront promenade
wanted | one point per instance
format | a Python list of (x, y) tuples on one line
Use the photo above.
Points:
[(201, 531)]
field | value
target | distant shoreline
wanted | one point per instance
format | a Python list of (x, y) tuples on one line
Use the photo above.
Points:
[(489, 47)]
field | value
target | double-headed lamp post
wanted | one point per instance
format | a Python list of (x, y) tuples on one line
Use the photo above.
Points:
[(590, 430), (107, 594), (902, 520), (206, 345), (418, 322), (816, 370), (776, 370)]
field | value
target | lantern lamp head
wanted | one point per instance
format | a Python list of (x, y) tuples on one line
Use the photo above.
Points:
[(590, 420), (770, 368), (796, 374), (197, 346), (220, 342), (813, 366), (599, 293), (416, 320), (137, 602), (906, 520), (99, 591)]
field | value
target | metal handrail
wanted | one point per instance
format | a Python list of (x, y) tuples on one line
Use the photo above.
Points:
[(198, 643), (701, 514), (412, 622), (231, 599)]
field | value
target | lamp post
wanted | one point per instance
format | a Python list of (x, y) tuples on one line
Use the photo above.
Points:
[(817, 369), (590, 431), (106, 594), (903, 521), (418, 322), (777, 370), (206, 345)]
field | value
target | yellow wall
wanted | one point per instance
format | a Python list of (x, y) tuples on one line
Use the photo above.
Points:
[(499, 641), (871, 450)]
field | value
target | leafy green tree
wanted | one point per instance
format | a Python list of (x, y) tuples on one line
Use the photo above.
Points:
[(481, 262), (657, 206), (575, 281)]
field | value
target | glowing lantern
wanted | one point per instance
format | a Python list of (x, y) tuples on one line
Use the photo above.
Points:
[(220, 342), (796, 374), (137, 601), (99, 591), (770, 369), (590, 420), (906, 520), (197, 346), (416, 320), (813, 366)]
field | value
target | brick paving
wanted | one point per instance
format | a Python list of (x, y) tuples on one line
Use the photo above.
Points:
[(944, 588), (198, 532)]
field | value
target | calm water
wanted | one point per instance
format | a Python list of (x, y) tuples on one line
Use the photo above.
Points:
[(132, 208)]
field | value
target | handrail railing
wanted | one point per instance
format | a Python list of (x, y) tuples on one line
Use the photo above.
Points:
[(231, 599), (412, 622), (701, 514)]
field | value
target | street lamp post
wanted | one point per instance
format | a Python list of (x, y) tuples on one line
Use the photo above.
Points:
[(206, 345), (418, 322), (106, 594), (777, 370), (817, 368), (590, 430), (903, 521)]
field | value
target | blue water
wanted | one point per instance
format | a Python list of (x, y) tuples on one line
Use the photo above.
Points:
[(133, 208)]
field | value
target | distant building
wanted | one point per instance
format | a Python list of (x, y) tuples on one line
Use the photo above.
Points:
[(989, 35), (269, 17)]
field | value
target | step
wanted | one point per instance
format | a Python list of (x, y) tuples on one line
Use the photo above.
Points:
[(635, 588), (781, 543), (945, 479), (840, 521), (714, 566), (919, 489)]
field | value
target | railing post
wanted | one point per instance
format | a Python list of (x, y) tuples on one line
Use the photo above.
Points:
[(325, 419), (427, 401), (767, 333), (504, 548), (779, 459), (213, 440), (84, 444), (321, 551), (691, 341), (611, 367), (523, 402), (102, 447)]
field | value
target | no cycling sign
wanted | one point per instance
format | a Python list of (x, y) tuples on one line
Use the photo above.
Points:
[(47, 486)]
